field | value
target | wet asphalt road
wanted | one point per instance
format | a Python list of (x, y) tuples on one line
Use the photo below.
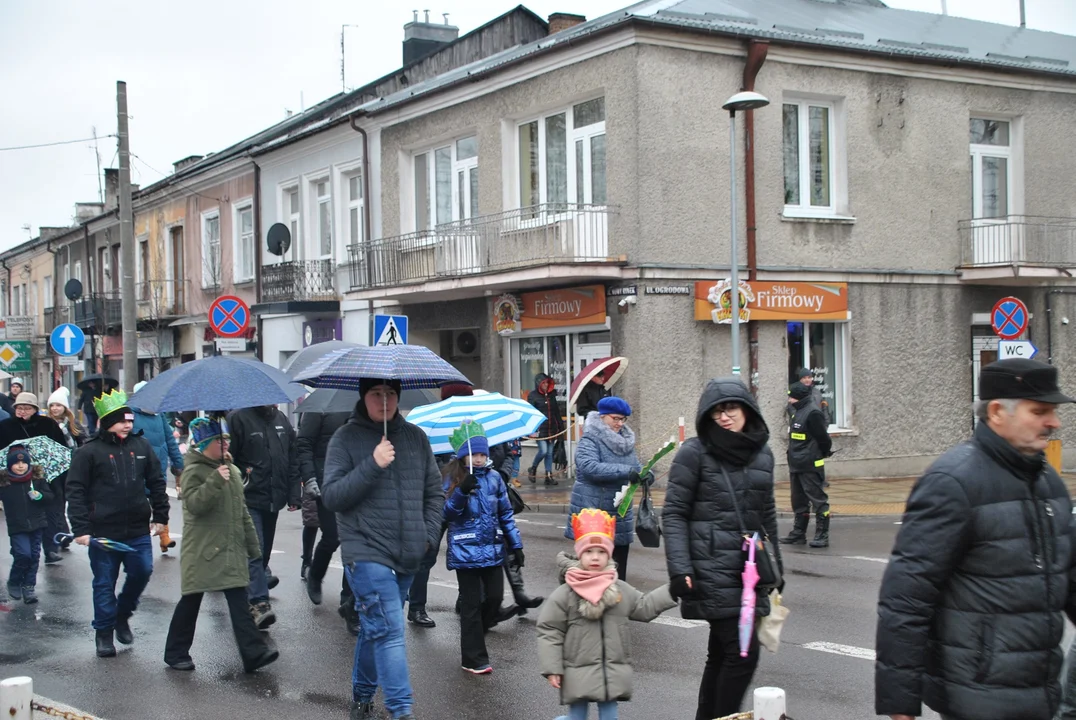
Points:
[(831, 593)]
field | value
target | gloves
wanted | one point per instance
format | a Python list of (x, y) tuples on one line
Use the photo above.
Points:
[(468, 484), (633, 477), (311, 489), (517, 557), (679, 587)]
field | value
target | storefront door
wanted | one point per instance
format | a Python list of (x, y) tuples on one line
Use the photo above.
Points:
[(984, 350)]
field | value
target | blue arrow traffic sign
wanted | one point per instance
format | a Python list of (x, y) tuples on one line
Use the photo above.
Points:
[(67, 339)]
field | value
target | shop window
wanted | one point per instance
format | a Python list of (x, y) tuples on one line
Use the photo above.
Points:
[(543, 355), (822, 347)]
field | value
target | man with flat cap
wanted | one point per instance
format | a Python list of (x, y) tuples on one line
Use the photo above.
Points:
[(971, 609)]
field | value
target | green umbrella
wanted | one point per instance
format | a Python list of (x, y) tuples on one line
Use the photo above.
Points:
[(53, 457)]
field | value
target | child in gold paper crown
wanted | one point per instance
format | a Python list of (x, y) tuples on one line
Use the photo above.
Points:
[(582, 628)]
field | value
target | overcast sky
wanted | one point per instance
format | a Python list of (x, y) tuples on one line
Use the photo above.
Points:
[(205, 74)]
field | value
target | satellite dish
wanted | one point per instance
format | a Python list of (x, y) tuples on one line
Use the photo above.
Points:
[(278, 239), (73, 289)]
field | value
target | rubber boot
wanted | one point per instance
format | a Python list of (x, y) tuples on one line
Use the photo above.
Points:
[(105, 648), (821, 533), (798, 536), (515, 581)]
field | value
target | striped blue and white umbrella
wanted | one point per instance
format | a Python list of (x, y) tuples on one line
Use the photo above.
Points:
[(415, 366), (502, 417)]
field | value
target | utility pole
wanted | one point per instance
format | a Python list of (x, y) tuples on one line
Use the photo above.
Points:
[(128, 304)]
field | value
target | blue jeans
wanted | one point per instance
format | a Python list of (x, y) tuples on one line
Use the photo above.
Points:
[(578, 711), (265, 525), (545, 450), (26, 554), (105, 565), (380, 655), (515, 466)]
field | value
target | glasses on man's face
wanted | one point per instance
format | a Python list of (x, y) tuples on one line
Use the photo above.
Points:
[(617, 419), (730, 410)]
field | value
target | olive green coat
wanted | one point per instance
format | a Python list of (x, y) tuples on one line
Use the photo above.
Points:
[(218, 534)]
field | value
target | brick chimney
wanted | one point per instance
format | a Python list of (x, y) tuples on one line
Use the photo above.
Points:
[(112, 188), (185, 162), (563, 21), (424, 38)]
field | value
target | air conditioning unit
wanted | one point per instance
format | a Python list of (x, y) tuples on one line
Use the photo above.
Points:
[(465, 344)]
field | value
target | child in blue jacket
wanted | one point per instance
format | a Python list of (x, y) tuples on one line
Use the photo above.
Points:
[(480, 527)]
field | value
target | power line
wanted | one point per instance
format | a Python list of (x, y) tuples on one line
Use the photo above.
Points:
[(177, 187), (53, 144)]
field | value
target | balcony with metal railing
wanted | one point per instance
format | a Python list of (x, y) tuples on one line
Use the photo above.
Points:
[(530, 237), (99, 311), (299, 280), (162, 299), (56, 315), (1017, 249)]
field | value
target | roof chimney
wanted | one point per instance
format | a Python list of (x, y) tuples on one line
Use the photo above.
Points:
[(425, 38), (563, 21), (88, 210), (185, 162), (112, 188)]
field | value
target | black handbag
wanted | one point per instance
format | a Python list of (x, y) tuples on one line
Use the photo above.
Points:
[(647, 523), (560, 457), (769, 572)]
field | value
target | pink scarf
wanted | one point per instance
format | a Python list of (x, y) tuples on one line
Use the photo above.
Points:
[(590, 584)]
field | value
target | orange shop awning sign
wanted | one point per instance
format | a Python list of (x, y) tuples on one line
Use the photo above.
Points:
[(777, 300), (567, 306)]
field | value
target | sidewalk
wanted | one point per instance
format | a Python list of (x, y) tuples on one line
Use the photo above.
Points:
[(847, 496)]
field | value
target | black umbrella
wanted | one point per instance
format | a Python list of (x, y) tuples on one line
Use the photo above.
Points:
[(326, 400), (110, 383), (309, 355)]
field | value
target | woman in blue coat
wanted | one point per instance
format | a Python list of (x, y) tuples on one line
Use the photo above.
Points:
[(480, 525), (605, 461)]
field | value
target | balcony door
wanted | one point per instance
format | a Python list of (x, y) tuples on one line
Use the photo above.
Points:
[(174, 270), (995, 240)]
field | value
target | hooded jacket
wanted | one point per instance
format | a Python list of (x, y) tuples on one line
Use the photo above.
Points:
[(21, 513), (970, 608), (546, 404), (588, 398), (155, 429), (479, 523), (218, 534), (593, 655), (315, 432), (115, 488), (264, 450), (703, 536), (384, 515), (603, 461)]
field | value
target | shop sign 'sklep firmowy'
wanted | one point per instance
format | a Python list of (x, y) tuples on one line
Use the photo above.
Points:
[(564, 307), (773, 300)]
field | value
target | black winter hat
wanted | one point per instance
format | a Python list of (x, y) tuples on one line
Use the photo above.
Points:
[(368, 384), (1019, 379), (799, 391), (804, 372), (18, 454)]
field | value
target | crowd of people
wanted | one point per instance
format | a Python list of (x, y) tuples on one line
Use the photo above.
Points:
[(970, 610)]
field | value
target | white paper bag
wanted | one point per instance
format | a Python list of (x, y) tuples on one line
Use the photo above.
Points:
[(769, 628)]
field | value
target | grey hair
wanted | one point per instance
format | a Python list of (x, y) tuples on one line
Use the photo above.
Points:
[(1008, 404)]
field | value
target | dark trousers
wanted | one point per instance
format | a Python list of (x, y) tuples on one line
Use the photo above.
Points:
[(56, 515), (481, 592), (310, 535), (265, 525), (330, 540), (185, 618), (620, 557), (416, 596), (25, 557), (808, 489), (727, 675)]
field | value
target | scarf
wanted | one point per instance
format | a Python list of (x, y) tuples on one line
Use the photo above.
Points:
[(620, 443), (590, 584), (738, 449)]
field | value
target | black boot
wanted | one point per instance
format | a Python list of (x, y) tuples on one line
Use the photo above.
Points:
[(123, 630), (351, 618), (105, 648), (420, 618), (515, 581), (549, 479), (532, 474), (798, 536), (821, 532)]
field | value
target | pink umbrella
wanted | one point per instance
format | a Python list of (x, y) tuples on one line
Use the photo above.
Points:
[(747, 600)]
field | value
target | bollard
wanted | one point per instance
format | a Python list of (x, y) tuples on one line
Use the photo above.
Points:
[(16, 696), (681, 431), (769, 703)]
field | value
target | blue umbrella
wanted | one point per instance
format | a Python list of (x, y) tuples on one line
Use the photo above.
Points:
[(103, 543), (502, 417), (219, 382)]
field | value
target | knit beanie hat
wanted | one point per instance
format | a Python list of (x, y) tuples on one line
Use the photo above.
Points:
[(592, 527), (368, 384), (61, 396), (456, 389), (613, 405), (804, 372), (798, 391), (18, 454), (205, 430)]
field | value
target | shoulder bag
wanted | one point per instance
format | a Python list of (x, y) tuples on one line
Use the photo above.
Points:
[(769, 573)]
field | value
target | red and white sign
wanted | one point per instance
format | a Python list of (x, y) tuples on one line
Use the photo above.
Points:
[(1009, 318)]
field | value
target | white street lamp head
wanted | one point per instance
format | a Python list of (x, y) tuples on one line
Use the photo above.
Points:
[(747, 100)]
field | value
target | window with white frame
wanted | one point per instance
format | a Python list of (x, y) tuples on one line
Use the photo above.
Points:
[(35, 300), (991, 168), (211, 249), (243, 243), (562, 157), (78, 270), (293, 216), (809, 140), (446, 183), (15, 306), (822, 348), (323, 218), (353, 181), (48, 292), (142, 269)]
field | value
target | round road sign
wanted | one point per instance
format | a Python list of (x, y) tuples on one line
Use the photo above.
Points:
[(1009, 318), (229, 316)]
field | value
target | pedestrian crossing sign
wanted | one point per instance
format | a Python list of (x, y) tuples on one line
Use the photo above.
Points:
[(390, 329)]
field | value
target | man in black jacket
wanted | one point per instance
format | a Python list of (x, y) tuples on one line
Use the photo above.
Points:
[(116, 491), (970, 609), (592, 392), (263, 448), (809, 445)]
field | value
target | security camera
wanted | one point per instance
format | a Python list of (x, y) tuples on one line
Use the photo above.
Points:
[(629, 300)]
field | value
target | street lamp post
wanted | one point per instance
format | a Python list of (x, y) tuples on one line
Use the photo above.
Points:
[(747, 100)]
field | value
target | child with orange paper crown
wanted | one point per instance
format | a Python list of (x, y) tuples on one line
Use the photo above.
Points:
[(583, 626)]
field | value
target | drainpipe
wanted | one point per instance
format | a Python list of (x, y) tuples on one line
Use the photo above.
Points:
[(1049, 319), (756, 56), (366, 200), (257, 210)]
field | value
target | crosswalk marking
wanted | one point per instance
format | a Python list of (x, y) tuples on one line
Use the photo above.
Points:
[(837, 649)]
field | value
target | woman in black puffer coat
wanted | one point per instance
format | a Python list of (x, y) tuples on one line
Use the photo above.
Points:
[(703, 539)]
